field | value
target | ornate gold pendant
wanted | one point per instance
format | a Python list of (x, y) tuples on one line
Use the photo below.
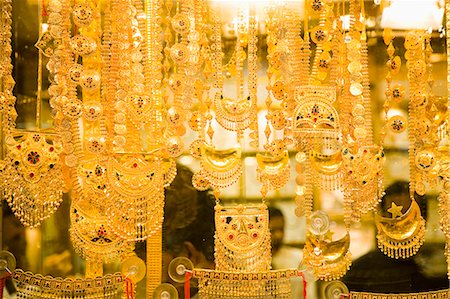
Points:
[(242, 238), (233, 115), (314, 116), (329, 260), (363, 173), (326, 169), (273, 171), (33, 176), (91, 235), (401, 237), (135, 196), (243, 257), (219, 168)]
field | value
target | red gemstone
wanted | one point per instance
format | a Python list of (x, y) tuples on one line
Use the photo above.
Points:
[(51, 149), (31, 175), (19, 147), (255, 235), (315, 119), (231, 237), (135, 165)]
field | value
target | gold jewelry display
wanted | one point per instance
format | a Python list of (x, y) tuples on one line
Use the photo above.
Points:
[(135, 197), (329, 259), (7, 99), (396, 123), (222, 168), (422, 108), (127, 79), (240, 114), (362, 159), (316, 130), (315, 120), (363, 169), (273, 171), (401, 235)]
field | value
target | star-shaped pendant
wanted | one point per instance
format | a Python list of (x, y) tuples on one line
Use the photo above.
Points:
[(395, 210)]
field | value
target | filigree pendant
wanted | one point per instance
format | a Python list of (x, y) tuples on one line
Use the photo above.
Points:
[(219, 168), (315, 120), (242, 238), (330, 260), (401, 237), (273, 171), (33, 177)]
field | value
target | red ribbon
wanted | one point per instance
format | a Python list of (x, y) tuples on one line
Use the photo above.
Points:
[(3, 283), (128, 288), (302, 275), (44, 12), (187, 285)]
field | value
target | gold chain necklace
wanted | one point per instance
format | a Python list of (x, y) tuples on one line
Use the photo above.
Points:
[(32, 165)]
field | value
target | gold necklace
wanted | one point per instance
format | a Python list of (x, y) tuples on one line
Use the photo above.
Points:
[(32, 165), (242, 257), (363, 160), (273, 169), (442, 294), (36, 286), (222, 168), (444, 172)]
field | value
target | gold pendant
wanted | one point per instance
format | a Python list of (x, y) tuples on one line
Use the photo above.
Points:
[(242, 238), (314, 115), (401, 237), (327, 169), (32, 176), (273, 171), (326, 164), (91, 235), (243, 257), (135, 196), (233, 115), (329, 260), (219, 168), (363, 169)]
